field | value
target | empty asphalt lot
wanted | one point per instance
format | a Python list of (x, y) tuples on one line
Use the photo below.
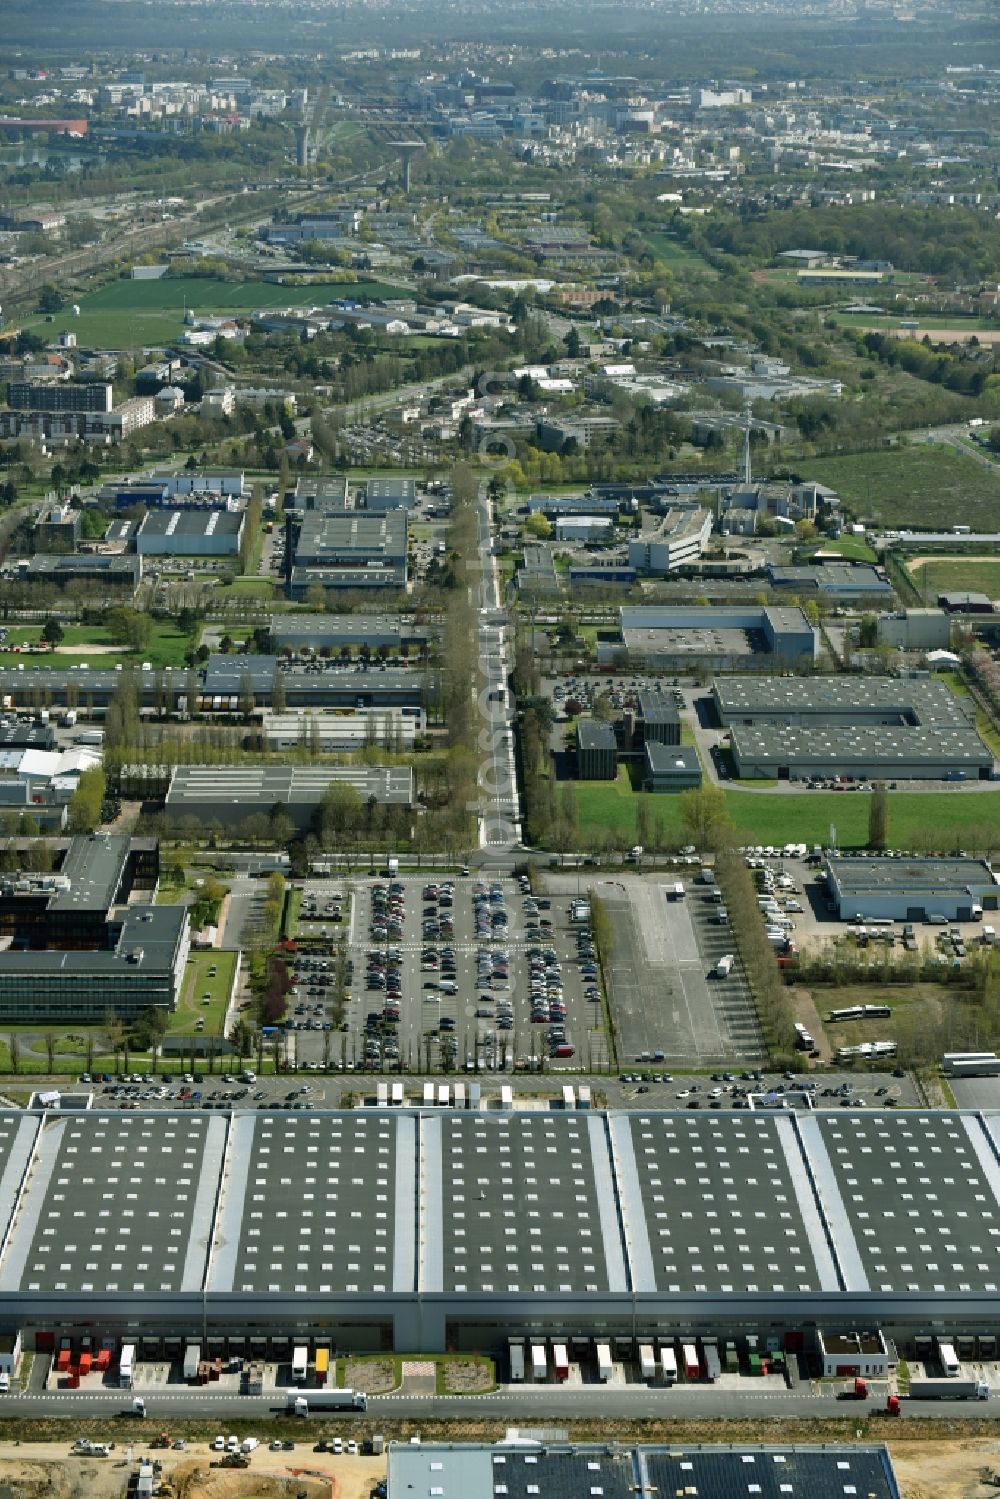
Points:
[(661, 997)]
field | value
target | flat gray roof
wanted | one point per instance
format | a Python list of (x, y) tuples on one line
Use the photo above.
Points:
[(192, 522), (94, 867), (656, 707), (721, 1199), (541, 1206), (914, 877), (666, 757), (919, 1191), (830, 1472), (886, 745), (594, 733), (347, 627), (260, 787), (705, 640), (120, 1203), (319, 1206), (928, 702), (522, 1207)]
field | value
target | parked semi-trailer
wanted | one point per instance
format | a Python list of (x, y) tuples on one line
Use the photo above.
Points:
[(949, 1389), (604, 1364), (517, 1363), (668, 1366), (325, 1400), (300, 1364), (560, 1361), (539, 1363), (689, 1358), (126, 1366), (647, 1362)]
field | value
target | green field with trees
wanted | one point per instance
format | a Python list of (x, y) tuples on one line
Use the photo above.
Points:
[(612, 814), (128, 313), (926, 484)]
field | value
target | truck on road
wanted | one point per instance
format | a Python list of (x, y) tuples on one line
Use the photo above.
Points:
[(949, 1389), (324, 1400)]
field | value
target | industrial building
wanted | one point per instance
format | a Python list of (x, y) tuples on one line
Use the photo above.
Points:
[(345, 549), (390, 728), (847, 702), (75, 949), (659, 720), (390, 494), (231, 795), (583, 528), (529, 1465), (965, 603), (537, 576), (190, 533), (320, 685), (412, 1229), (596, 750), (685, 636), (841, 582), (915, 630), (670, 767), (678, 540), (911, 889), (218, 688), (907, 752), (902, 728), (57, 529), (357, 633), (93, 569)]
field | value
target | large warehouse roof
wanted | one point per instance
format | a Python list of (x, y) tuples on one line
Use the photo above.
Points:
[(814, 698), (544, 1208), (921, 1197), (856, 879), (522, 1468), (845, 748), (726, 1201)]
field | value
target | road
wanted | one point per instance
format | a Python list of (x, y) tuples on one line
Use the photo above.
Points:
[(547, 1402), (500, 820)]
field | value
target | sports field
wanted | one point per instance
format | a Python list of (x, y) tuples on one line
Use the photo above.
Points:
[(928, 485), (934, 575), (676, 254), (130, 314)]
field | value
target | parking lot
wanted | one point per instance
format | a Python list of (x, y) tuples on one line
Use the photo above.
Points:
[(459, 971), (663, 1000)]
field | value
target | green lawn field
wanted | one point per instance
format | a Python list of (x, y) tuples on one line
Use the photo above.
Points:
[(199, 980), (676, 254), (968, 818), (128, 314), (890, 322), (851, 547), (166, 647), (928, 485), (959, 574)]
